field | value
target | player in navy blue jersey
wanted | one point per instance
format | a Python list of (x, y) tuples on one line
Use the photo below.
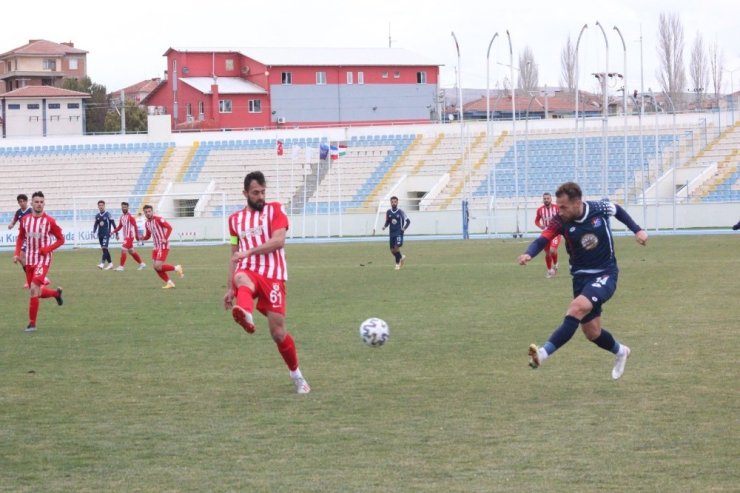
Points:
[(398, 222), (23, 209), (590, 246), (104, 225)]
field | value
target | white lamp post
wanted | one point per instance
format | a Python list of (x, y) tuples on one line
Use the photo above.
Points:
[(513, 132), (489, 130), (585, 26), (605, 123), (460, 105), (624, 102)]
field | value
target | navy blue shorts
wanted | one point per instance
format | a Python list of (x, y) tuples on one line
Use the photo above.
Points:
[(396, 241), (598, 288), (104, 241)]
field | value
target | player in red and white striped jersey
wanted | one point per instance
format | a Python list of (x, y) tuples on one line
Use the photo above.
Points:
[(159, 231), (258, 270), (37, 230), (130, 229), (545, 212)]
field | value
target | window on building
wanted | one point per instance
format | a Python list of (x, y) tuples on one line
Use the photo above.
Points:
[(14, 106), (360, 77), (384, 74), (32, 106), (73, 106), (49, 64), (229, 64), (201, 109), (349, 77), (421, 77), (397, 74), (72, 63), (189, 110), (224, 106), (255, 106), (320, 78), (54, 106), (287, 78)]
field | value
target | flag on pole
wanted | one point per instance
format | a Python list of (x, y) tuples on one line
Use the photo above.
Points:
[(279, 147), (342, 150), (323, 151), (334, 153)]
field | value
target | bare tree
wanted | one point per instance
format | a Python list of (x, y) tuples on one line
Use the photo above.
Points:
[(528, 71), (698, 68), (716, 68), (671, 73), (568, 65)]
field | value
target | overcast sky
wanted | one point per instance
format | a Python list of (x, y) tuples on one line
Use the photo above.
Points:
[(126, 40)]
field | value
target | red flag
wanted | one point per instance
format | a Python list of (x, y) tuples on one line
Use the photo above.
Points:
[(279, 147)]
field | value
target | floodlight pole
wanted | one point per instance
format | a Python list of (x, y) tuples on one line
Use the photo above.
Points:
[(513, 131), (489, 129), (605, 123), (624, 103), (460, 112), (585, 26), (675, 159)]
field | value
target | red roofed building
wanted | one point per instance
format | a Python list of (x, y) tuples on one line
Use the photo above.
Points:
[(137, 92), (275, 87), (41, 63), (40, 111)]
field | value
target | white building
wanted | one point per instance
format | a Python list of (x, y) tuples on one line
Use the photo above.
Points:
[(42, 111)]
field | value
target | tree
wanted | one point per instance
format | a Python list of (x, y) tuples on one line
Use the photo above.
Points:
[(96, 107), (568, 65), (671, 73), (716, 67), (698, 67), (528, 71), (136, 118)]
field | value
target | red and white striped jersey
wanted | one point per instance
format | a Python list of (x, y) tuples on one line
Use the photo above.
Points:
[(250, 229), (159, 230), (127, 223), (37, 234), (544, 214)]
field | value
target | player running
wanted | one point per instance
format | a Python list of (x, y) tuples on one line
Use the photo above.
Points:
[(104, 225), (545, 212), (258, 270), (590, 245), (159, 231), (399, 222), (36, 232), (127, 223)]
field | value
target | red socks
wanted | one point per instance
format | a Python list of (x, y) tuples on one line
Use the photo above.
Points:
[(288, 352), (136, 257), (244, 298), (33, 309), (123, 259)]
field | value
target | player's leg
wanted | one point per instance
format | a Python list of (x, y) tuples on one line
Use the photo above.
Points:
[(591, 326), (399, 244), (244, 288), (284, 341), (136, 256), (578, 308)]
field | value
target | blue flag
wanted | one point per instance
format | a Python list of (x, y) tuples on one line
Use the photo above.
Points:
[(323, 151)]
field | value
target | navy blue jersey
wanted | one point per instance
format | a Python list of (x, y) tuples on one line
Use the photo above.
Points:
[(104, 224), (588, 239), (20, 213), (397, 220)]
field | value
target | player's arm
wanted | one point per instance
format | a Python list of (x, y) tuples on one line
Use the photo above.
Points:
[(132, 221), (539, 244), (276, 242), (406, 222), (95, 226), (229, 296), (13, 221), (168, 228), (19, 243), (387, 220), (623, 217), (538, 220), (147, 233), (55, 230)]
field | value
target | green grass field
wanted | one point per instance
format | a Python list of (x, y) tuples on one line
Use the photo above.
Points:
[(129, 387)]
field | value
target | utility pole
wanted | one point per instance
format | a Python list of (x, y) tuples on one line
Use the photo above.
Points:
[(123, 113)]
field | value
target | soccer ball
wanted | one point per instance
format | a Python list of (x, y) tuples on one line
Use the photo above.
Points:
[(374, 332)]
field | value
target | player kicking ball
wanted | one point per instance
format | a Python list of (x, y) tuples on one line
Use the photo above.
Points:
[(585, 226)]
